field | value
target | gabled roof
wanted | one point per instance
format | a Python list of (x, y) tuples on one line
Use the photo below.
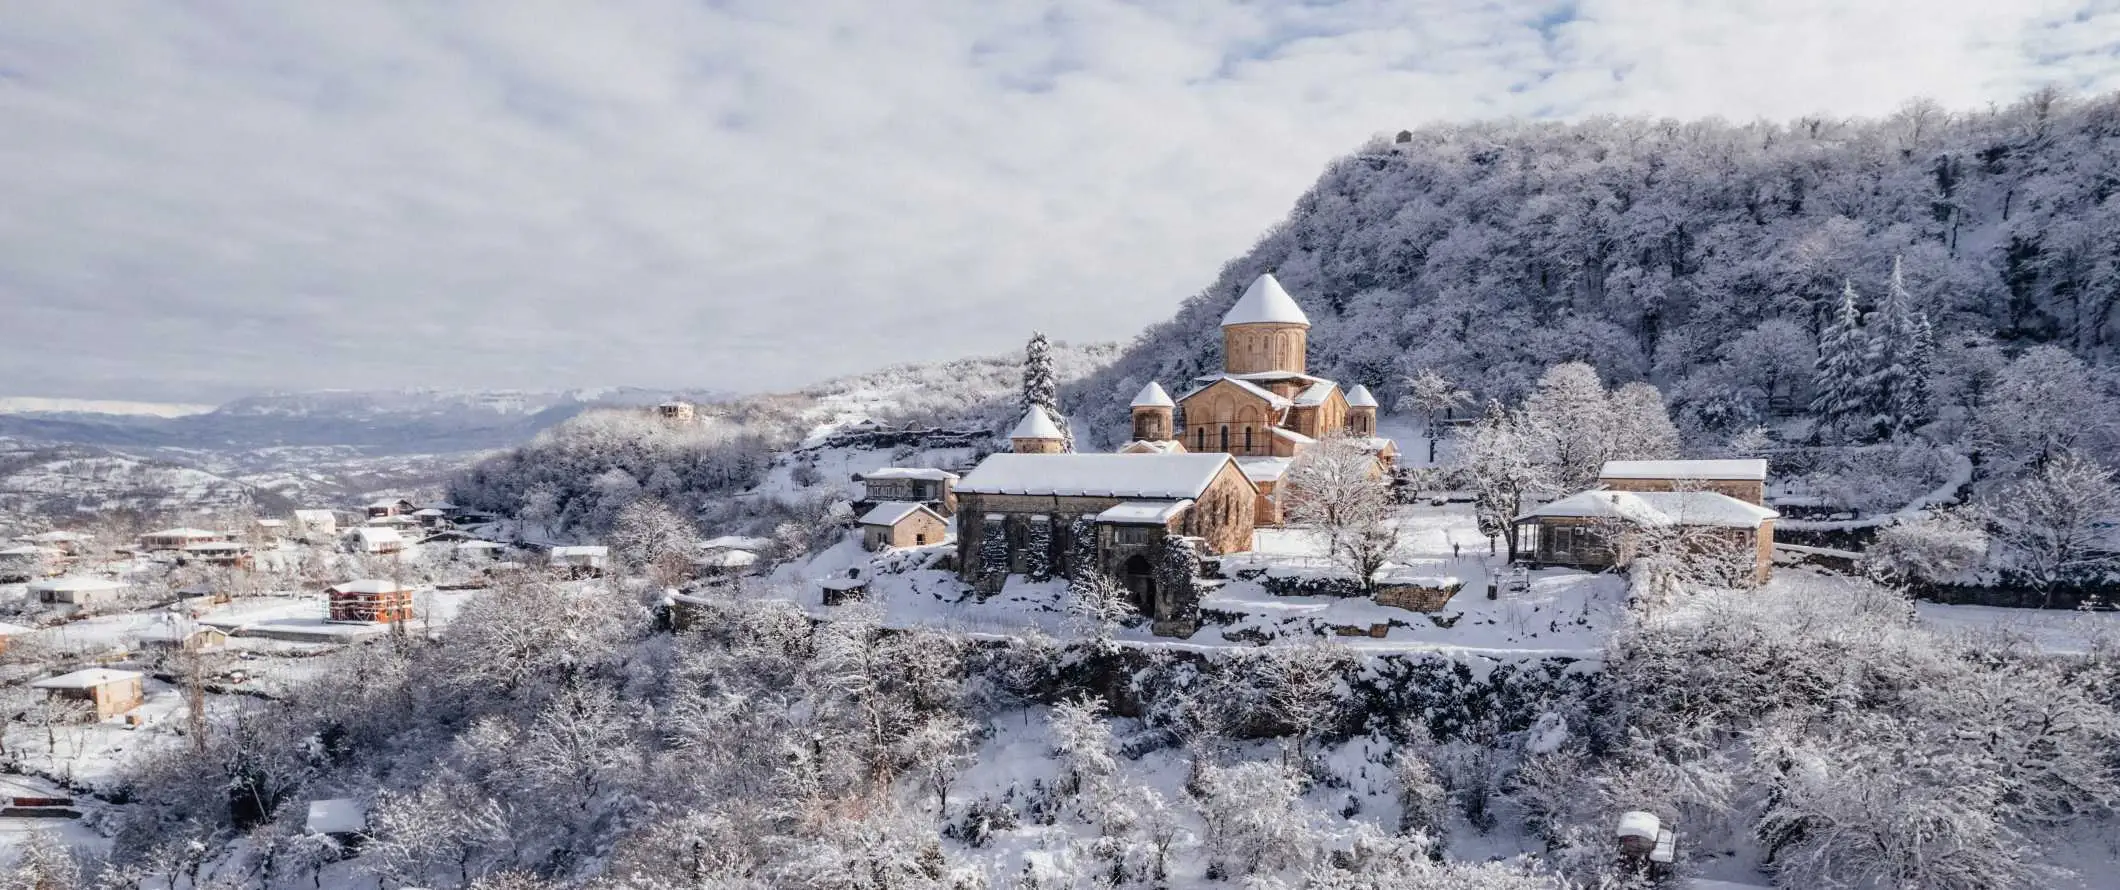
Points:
[(378, 534), (1145, 446), (87, 679), (309, 516), (77, 583), (1240, 383), (894, 512), (1265, 302), (1316, 393), (738, 542), (1143, 512), (1153, 396), (1096, 475), (590, 550), (1282, 432), (387, 503), (929, 473), (1658, 508), (1360, 397), (1036, 424), (1746, 469), (1265, 469)]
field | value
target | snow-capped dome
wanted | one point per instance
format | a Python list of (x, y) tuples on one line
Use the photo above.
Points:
[(1036, 424), (1359, 397), (1264, 302), (1153, 396)]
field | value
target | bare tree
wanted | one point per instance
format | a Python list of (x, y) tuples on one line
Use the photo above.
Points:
[(1436, 398), (1339, 489), (1097, 605)]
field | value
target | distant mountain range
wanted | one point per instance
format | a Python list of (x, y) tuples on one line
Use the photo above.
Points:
[(376, 423)]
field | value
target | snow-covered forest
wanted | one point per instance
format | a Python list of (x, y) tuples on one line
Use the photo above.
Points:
[(1707, 257)]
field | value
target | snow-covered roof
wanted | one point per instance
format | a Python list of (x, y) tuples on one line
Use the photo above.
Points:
[(1262, 392), (481, 545), (76, 583), (29, 550), (370, 585), (1143, 512), (12, 630), (213, 547), (167, 634), (894, 512), (1316, 393), (843, 583), (271, 523), (1749, 469), (313, 516), (387, 503), (931, 474), (182, 533), (736, 542), (1265, 469), (1636, 823), (1372, 444), (85, 679), (56, 537), (590, 550), (1036, 424), (729, 559), (1145, 446), (1360, 397), (1265, 302), (1658, 508), (1293, 436), (1096, 475), (378, 534), (339, 815), (430, 511), (1153, 396)]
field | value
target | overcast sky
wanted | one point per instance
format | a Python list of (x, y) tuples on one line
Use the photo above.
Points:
[(204, 199)]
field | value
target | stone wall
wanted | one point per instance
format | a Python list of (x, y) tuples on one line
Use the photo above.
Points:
[(1414, 598)]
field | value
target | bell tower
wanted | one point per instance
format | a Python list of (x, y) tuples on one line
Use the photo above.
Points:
[(1152, 414)]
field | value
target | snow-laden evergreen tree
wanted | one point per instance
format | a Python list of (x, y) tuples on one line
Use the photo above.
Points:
[(1914, 401), (1842, 398), (1039, 386), (1895, 395)]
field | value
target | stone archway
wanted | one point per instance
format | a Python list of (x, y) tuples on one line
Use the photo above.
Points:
[(1139, 576)]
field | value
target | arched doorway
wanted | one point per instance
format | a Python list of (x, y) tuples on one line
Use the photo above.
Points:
[(1140, 577)]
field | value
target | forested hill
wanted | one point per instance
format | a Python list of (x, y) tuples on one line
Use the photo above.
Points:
[(1703, 256)]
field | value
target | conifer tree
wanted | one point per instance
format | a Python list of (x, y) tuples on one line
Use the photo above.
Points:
[(1040, 388), (1888, 385), (1841, 397), (1914, 397)]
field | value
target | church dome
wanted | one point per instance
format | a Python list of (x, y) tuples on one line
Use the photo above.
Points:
[(1265, 302), (1153, 396), (1036, 424)]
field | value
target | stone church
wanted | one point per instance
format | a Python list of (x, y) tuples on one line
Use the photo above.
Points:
[(1264, 408)]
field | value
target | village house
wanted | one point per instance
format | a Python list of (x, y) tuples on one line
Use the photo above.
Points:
[(183, 639), (480, 551), (1263, 408), (79, 590), (1023, 514), (677, 411), (315, 525), (579, 560), (902, 524), (1601, 529), (390, 507), (220, 554), (28, 562), (376, 540), (371, 600), (935, 488), (178, 538), (108, 692), (66, 542), (721, 563), (343, 819)]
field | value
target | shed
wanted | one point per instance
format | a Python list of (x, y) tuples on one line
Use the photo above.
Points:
[(339, 817), (112, 692), (80, 590), (840, 591), (727, 562), (580, 559), (187, 639), (902, 524)]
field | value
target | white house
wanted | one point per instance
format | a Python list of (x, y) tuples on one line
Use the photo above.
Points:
[(376, 539), (79, 590), (580, 559), (316, 523)]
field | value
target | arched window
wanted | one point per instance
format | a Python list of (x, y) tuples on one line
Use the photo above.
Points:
[(1225, 437), (1247, 440)]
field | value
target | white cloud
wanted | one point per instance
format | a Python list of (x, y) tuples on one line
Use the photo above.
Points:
[(202, 199)]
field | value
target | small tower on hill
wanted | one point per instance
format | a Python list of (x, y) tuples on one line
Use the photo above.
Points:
[(1361, 411), (1152, 414), (1037, 434), (1265, 331)]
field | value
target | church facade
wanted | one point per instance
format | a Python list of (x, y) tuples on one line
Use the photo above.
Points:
[(1264, 408)]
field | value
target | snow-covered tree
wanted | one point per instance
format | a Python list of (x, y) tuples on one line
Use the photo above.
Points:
[(1041, 389), (650, 537), (2053, 525), (1097, 605), (1436, 397), (1504, 469), (1337, 489), (1893, 379), (1843, 399), (2044, 402), (1938, 546)]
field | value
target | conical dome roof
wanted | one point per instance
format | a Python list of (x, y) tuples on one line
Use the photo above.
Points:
[(1036, 424), (1359, 397), (1153, 396), (1265, 302)]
